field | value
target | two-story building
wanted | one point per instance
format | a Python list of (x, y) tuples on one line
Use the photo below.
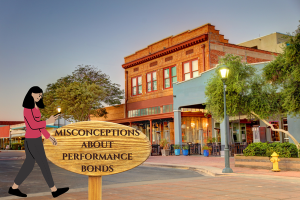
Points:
[(151, 72)]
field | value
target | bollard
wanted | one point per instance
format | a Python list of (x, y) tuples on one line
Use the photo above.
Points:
[(275, 161)]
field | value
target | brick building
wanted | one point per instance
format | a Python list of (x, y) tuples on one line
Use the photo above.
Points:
[(151, 72)]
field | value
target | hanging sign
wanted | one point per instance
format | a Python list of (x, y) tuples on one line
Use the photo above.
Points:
[(97, 148)]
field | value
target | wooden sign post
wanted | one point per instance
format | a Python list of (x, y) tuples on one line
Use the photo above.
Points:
[(96, 149)]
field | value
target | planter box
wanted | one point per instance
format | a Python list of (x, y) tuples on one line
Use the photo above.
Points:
[(185, 152), (258, 162), (177, 152), (165, 152), (206, 153)]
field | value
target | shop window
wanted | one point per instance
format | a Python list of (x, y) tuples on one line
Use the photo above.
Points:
[(190, 69), (170, 76), (168, 108), (136, 86), (144, 111), (193, 129), (151, 82)]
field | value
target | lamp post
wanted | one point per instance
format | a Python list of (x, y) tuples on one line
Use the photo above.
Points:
[(58, 110), (224, 70)]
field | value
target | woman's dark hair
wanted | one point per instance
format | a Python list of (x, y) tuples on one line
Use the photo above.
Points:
[(29, 101)]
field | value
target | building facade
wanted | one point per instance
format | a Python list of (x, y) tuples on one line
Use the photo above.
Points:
[(273, 42), (152, 72), (240, 130), (5, 132)]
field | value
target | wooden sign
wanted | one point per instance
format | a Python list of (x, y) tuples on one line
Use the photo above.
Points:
[(97, 148)]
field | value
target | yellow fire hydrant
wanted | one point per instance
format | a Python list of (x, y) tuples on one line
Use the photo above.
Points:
[(275, 161)]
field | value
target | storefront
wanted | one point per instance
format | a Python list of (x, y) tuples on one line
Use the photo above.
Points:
[(161, 128), (241, 131)]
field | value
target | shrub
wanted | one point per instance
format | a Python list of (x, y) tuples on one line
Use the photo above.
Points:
[(285, 150), (15, 146)]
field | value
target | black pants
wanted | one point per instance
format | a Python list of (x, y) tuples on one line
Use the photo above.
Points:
[(34, 150)]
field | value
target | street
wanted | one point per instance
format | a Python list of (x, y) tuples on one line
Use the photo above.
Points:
[(35, 182), (150, 182)]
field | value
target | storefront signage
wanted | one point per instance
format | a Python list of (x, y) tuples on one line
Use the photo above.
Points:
[(97, 148)]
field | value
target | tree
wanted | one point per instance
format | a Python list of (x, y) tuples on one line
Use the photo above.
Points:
[(273, 92), (81, 94), (246, 91), (284, 72)]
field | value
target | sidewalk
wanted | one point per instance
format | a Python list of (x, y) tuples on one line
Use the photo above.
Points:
[(213, 166)]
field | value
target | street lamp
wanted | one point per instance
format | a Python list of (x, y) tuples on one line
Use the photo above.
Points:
[(224, 70), (58, 110)]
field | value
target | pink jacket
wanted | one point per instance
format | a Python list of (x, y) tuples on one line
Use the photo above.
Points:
[(34, 127)]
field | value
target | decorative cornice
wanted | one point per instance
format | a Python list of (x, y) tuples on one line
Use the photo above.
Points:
[(169, 50)]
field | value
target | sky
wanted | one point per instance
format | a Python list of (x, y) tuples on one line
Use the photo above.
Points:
[(42, 41)]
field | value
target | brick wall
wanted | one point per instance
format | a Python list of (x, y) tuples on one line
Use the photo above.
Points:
[(114, 112), (178, 58), (173, 40), (249, 55)]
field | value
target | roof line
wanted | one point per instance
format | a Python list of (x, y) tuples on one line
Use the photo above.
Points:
[(168, 37), (261, 37)]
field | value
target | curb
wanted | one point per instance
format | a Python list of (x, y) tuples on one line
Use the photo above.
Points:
[(210, 172), (200, 169)]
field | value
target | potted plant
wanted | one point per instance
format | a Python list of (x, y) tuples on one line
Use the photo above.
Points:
[(206, 150), (165, 145), (209, 140), (177, 149), (185, 150), (214, 140)]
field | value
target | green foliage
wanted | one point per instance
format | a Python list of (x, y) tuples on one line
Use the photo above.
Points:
[(209, 140), (246, 91), (239, 73), (213, 139), (164, 143), (81, 94), (15, 146), (206, 148), (177, 146), (285, 150), (186, 147), (284, 72)]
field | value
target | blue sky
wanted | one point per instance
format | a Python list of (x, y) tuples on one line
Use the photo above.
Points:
[(41, 41)]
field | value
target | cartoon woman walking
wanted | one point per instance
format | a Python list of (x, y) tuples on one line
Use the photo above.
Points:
[(34, 147)]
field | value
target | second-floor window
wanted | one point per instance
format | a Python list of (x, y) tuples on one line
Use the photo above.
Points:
[(137, 85), (170, 76), (151, 81), (190, 69)]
